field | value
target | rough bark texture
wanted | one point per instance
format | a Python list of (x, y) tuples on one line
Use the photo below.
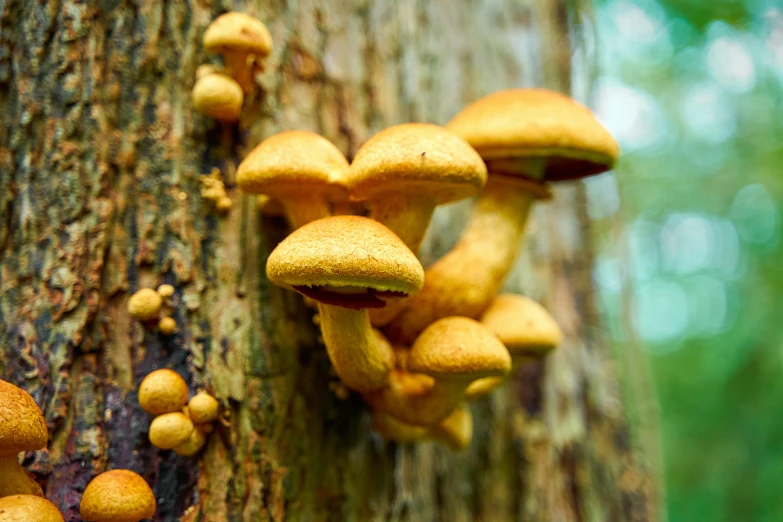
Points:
[(100, 154)]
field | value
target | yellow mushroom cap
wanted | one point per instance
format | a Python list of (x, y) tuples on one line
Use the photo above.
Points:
[(165, 290), (218, 96), (237, 32), (417, 158), (192, 445), (118, 495), (167, 325), (145, 304), (170, 429), (163, 391), (294, 163), (28, 508), (522, 324), (346, 253), (458, 347), (520, 123), (203, 407), (22, 426)]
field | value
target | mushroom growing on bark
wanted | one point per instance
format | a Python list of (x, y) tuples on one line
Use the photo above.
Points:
[(169, 430), (119, 495), (526, 137), (349, 264), (218, 96), (145, 305), (526, 329), (241, 39), (22, 428), (454, 352), (28, 508), (300, 169), (163, 391)]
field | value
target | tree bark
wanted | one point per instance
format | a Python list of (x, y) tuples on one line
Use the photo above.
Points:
[(100, 157)]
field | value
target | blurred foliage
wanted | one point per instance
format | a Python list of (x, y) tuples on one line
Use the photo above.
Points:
[(690, 258)]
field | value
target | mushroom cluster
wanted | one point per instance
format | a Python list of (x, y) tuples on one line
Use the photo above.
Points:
[(418, 344), (147, 306), (180, 424)]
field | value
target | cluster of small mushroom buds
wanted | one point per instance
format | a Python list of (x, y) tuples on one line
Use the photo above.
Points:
[(213, 189), (147, 304), (180, 424)]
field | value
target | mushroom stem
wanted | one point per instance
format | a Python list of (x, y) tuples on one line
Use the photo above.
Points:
[(16, 480), (362, 357), (301, 210), (407, 215), (464, 281), (237, 67)]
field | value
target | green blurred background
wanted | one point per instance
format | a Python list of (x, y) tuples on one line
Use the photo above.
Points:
[(688, 237)]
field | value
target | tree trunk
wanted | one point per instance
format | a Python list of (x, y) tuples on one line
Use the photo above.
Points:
[(100, 157)]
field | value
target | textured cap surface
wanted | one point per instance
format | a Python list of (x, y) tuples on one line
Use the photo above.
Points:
[(542, 123), (237, 32), (203, 407), (346, 251), (118, 495), (170, 429), (163, 391), (522, 324), (145, 304), (22, 426), (416, 158), (28, 508), (294, 162), (458, 346)]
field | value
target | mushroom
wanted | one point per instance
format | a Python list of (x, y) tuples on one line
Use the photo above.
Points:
[(192, 445), (28, 508), (165, 291), (405, 171), (163, 391), (300, 169), (453, 351), (167, 325), (348, 264), (119, 495), (218, 96), (240, 39), (456, 430), (525, 136), (170, 430), (524, 327), (203, 407), (205, 69), (145, 305), (22, 428)]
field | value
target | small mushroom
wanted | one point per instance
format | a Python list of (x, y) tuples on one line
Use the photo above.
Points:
[(165, 291), (348, 264), (170, 430), (241, 39), (167, 325), (145, 304), (300, 169), (192, 445), (119, 495), (526, 137), (453, 351), (218, 96), (526, 329), (205, 69), (28, 508), (203, 407), (163, 391), (22, 428), (223, 204)]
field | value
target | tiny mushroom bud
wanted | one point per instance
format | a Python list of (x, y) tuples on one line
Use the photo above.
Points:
[(524, 327), (205, 69), (223, 204), (22, 428), (302, 170), (241, 39), (453, 351), (526, 137), (165, 291), (219, 97), (163, 391), (145, 304), (118, 495), (170, 430), (349, 264), (203, 408), (28, 508), (192, 445), (167, 325)]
